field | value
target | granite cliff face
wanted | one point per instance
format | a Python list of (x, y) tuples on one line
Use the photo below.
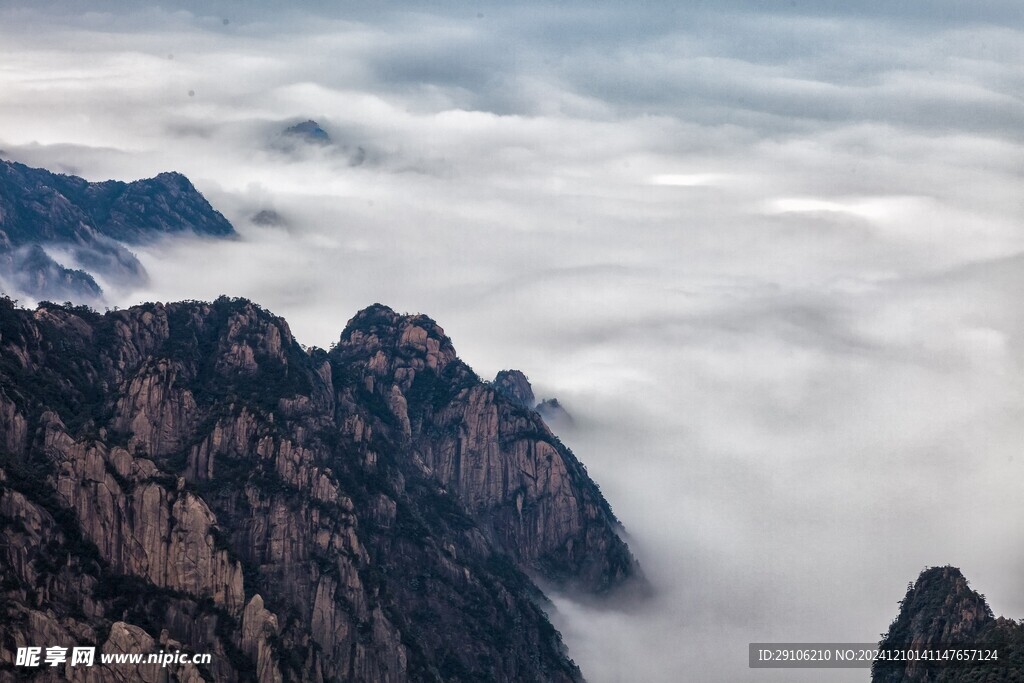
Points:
[(512, 474), (186, 475), (941, 609), (90, 223)]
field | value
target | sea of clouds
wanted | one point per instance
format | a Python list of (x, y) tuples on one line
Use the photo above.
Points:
[(769, 255)]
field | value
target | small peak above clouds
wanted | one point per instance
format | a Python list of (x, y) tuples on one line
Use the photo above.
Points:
[(310, 135), (268, 218), (309, 131), (554, 413)]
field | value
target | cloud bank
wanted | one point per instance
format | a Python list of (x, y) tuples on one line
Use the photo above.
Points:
[(768, 257)]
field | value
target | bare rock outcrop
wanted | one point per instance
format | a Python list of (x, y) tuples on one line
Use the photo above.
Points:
[(486, 445), (258, 626)]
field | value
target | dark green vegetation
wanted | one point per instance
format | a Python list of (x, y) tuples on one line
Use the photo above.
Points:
[(369, 513), (939, 610)]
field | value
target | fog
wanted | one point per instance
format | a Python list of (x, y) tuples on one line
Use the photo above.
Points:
[(769, 259)]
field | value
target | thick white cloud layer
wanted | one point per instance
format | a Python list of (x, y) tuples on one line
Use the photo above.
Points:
[(769, 259)]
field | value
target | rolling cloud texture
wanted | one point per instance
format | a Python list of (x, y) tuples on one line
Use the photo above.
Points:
[(768, 254)]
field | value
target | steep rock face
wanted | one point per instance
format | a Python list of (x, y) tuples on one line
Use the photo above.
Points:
[(92, 222), (500, 459), (187, 473), (940, 609)]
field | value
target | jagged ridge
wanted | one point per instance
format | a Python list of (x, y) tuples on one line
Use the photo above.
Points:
[(92, 221), (197, 455), (493, 451)]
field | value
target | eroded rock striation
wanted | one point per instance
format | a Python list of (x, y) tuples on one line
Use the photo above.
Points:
[(187, 475)]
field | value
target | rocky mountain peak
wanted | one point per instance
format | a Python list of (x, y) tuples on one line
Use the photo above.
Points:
[(394, 346), (309, 131), (41, 206), (92, 222), (516, 386), (941, 609), (174, 179)]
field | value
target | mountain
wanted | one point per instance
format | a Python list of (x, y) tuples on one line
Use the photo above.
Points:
[(31, 269), (554, 413), (940, 609), (268, 217), (515, 386), (309, 131), (188, 476), (300, 138), (91, 223)]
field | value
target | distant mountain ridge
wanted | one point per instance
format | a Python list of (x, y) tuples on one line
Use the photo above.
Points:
[(309, 131), (42, 213)]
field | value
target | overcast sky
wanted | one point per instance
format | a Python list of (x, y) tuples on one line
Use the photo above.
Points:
[(768, 254)]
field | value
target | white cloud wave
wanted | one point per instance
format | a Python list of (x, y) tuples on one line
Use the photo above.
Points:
[(769, 260)]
